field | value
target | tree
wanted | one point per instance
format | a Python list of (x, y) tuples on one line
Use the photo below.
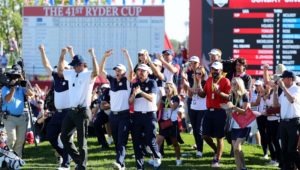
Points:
[(175, 44), (10, 21)]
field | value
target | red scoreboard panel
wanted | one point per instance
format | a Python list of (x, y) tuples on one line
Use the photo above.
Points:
[(262, 31)]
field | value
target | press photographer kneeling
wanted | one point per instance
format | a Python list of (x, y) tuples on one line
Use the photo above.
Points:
[(14, 91)]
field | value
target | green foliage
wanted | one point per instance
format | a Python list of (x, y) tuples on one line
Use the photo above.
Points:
[(43, 157), (10, 20), (175, 44)]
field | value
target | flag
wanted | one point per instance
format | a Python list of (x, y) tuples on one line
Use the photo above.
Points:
[(162, 1), (108, 2), (78, 2), (62, 2), (144, 1), (152, 2), (71, 2), (124, 2), (113, 1), (133, 1), (86, 2)]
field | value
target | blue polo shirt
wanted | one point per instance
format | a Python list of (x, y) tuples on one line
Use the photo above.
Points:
[(16, 105)]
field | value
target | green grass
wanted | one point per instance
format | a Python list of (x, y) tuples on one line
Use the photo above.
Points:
[(42, 157)]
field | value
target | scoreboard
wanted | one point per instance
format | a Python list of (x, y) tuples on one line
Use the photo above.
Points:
[(84, 27), (262, 31)]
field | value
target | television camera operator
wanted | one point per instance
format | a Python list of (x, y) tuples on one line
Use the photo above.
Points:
[(15, 121)]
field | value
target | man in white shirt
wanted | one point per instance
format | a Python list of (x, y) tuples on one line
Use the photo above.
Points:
[(81, 82), (289, 102), (169, 68)]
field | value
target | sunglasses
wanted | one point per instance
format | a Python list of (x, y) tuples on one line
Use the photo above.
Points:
[(198, 73)]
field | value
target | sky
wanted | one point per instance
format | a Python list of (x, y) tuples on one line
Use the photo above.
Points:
[(176, 18)]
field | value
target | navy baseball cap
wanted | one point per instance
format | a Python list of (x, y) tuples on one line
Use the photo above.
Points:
[(288, 74), (77, 59), (169, 51)]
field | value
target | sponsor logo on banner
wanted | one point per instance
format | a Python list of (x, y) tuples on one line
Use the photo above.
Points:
[(220, 3)]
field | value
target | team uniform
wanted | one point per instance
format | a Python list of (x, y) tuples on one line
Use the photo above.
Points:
[(80, 91), (119, 117), (289, 127), (144, 121), (61, 103)]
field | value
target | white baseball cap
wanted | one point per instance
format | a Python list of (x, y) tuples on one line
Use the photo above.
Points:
[(258, 83), (142, 51), (194, 59), (215, 51), (217, 65), (120, 66), (145, 67)]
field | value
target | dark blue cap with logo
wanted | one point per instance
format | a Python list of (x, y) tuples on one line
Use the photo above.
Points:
[(288, 74), (169, 51), (77, 60)]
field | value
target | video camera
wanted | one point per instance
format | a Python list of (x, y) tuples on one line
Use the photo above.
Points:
[(11, 77)]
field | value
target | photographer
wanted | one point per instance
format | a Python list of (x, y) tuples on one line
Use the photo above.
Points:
[(15, 121)]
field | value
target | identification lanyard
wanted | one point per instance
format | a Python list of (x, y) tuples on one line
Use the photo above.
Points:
[(166, 103), (166, 107), (212, 84)]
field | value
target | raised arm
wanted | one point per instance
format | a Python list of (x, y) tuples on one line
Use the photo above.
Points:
[(103, 62), (156, 72), (275, 96), (61, 64), (95, 72), (168, 66), (266, 75), (291, 98), (130, 66), (71, 51), (184, 70), (201, 91), (10, 95), (45, 60), (257, 101)]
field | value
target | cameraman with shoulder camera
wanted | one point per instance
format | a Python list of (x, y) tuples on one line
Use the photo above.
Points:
[(15, 121)]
